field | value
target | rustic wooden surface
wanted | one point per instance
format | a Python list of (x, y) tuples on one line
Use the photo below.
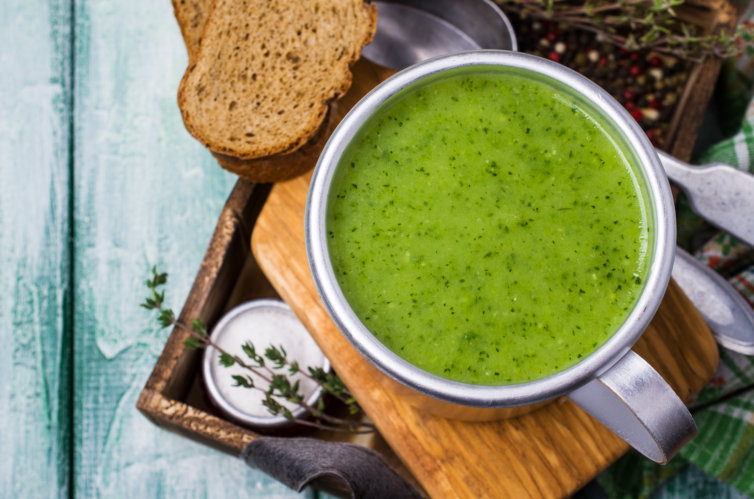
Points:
[(551, 452), (34, 251), (100, 181)]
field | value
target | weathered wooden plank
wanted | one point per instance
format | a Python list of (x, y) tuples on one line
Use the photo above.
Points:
[(145, 194), (34, 252)]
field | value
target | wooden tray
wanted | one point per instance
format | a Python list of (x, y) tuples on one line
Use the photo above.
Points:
[(174, 395)]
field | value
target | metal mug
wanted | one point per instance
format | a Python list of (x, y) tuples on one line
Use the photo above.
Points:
[(613, 384)]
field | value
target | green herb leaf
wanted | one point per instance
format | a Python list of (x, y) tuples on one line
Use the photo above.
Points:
[(160, 279), (197, 326), (275, 355), (166, 318), (251, 352), (272, 405), (192, 343), (318, 374), (226, 359), (244, 381)]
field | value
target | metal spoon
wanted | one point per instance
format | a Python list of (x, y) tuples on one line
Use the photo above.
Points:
[(727, 314), (724, 196), (719, 193), (410, 31)]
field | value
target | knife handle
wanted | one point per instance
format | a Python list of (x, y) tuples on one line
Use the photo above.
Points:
[(345, 469)]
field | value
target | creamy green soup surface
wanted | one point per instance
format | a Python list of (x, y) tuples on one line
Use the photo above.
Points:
[(486, 229)]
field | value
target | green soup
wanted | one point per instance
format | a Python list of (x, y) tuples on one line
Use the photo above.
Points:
[(487, 229)]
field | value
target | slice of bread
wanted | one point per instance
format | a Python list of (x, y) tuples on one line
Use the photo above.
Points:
[(265, 73), (191, 16), (282, 166)]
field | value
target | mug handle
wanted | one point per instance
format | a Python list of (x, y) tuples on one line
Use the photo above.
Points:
[(636, 403)]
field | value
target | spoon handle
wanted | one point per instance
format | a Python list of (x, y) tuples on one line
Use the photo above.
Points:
[(719, 193), (727, 314)]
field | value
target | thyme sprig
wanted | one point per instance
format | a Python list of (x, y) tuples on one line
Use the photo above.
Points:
[(639, 25), (275, 374)]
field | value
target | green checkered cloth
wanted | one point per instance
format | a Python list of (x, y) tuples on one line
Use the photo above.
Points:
[(719, 462)]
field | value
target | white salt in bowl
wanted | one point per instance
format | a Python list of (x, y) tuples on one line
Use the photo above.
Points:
[(264, 323)]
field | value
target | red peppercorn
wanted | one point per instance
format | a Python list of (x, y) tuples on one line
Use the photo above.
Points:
[(634, 56), (637, 114), (551, 37), (602, 61), (655, 61), (554, 56), (655, 104), (652, 136), (630, 106), (629, 95), (635, 70)]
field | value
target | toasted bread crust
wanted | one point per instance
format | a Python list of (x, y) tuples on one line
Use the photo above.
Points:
[(191, 16), (264, 74)]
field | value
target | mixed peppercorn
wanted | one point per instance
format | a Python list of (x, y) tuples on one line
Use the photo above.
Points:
[(648, 84)]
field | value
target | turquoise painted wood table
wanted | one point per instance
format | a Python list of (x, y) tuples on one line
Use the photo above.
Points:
[(99, 181)]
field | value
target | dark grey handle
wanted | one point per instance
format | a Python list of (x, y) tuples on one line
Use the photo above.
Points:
[(343, 469), (719, 193)]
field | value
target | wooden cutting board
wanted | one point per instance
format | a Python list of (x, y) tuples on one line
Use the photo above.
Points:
[(550, 452)]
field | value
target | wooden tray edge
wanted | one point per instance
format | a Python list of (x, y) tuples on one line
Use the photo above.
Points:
[(175, 362)]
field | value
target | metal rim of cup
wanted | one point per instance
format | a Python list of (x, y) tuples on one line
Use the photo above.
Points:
[(266, 422), (562, 382)]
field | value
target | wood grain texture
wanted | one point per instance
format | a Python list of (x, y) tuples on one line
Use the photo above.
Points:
[(551, 452), (711, 16), (34, 252), (145, 194)]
